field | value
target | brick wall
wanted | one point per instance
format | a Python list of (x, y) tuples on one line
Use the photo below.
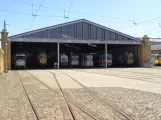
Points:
[(8, 50), (145, 52)]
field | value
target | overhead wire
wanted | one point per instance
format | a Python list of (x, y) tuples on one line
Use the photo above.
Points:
[(35, 14), (156, 28), (29, 14), (129, 21), (70, 11), (15, 26), (31, 23), (147, 21), (37, 5), (147, 30), (70, 8), (14, 12), (73, 18), (61, 16), (40, 15), (140, 23)]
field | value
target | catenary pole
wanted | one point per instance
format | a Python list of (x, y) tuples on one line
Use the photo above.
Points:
[(5, 47), (58, 56), (105, 55)]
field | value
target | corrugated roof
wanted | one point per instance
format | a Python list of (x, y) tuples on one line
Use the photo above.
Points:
[(72, 22)]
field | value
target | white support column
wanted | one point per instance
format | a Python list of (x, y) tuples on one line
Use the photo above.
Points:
[(105, 55), (58, 56)]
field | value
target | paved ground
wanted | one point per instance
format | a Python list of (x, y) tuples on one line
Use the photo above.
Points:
[(136, 78), (14, 104), (135, 91), (48, 105), (81, 97)]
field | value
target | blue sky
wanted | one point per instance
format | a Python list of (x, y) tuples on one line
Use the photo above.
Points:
[(116, 14)]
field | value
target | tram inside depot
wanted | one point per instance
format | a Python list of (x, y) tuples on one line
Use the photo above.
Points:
[(45, 55)]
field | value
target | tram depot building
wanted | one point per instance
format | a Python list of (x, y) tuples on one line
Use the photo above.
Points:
[(76, 44)]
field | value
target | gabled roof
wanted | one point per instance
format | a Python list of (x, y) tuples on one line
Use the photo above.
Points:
[(72, 22)]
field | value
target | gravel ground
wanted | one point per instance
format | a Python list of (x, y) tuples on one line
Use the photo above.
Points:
[(92, 104), (141, 105)]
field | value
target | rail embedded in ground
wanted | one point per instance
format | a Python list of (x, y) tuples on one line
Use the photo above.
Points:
[(94, 94), (28, 97), (62, 95)]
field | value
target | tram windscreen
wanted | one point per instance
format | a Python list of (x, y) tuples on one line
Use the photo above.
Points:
[(90, 59), (130, 56), (74, 58), (20, 58), (109, 57), (64, 59), (42, 56)]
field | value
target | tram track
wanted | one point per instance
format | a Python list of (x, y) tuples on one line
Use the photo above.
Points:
[(68, 106), (125, 76), (95, 95), (65, 98), (32, 106)]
